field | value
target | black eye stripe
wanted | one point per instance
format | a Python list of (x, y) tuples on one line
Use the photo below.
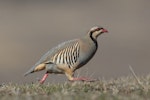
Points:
[(97, 29)]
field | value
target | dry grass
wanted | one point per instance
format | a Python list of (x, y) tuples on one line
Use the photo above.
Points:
[(125, 88)]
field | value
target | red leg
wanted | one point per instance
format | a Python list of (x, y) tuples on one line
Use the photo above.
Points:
[(84, 79), (44, 78)]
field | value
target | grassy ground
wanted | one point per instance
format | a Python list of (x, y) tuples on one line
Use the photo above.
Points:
[(125, 88)]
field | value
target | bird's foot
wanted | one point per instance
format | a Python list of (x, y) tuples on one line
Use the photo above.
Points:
[(44, 78), (84, 79)]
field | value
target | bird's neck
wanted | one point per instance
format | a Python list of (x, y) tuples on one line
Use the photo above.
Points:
[(92, 39)]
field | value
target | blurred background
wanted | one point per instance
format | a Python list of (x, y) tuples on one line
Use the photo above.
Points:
[(29, 28)]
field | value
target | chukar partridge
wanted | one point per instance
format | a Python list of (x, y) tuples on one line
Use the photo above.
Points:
[(68, 56)]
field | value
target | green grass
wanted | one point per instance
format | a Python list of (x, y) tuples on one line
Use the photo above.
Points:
[(125, 88)]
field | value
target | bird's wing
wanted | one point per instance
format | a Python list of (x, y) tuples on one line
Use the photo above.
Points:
[(47, 57)]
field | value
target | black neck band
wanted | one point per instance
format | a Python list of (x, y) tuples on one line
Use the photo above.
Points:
[(94, 40)]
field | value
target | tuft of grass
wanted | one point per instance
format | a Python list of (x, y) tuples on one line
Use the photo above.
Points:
[(124, 88)]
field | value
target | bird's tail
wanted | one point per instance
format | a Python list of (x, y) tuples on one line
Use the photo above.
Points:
[(29, 72), (35, 68)]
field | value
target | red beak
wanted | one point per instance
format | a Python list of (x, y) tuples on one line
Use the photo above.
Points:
[(104, 31)]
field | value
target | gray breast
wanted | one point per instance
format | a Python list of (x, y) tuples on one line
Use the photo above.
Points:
[(87, 51)]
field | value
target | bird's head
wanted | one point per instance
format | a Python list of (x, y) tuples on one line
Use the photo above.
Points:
[(96, 31)]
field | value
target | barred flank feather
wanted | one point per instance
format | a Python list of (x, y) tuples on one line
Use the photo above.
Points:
[(67, 55)]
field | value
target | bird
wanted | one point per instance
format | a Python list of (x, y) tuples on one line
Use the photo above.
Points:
[(69, 56)]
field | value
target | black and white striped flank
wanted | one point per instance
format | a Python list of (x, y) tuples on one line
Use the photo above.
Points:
[(67, 56)]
